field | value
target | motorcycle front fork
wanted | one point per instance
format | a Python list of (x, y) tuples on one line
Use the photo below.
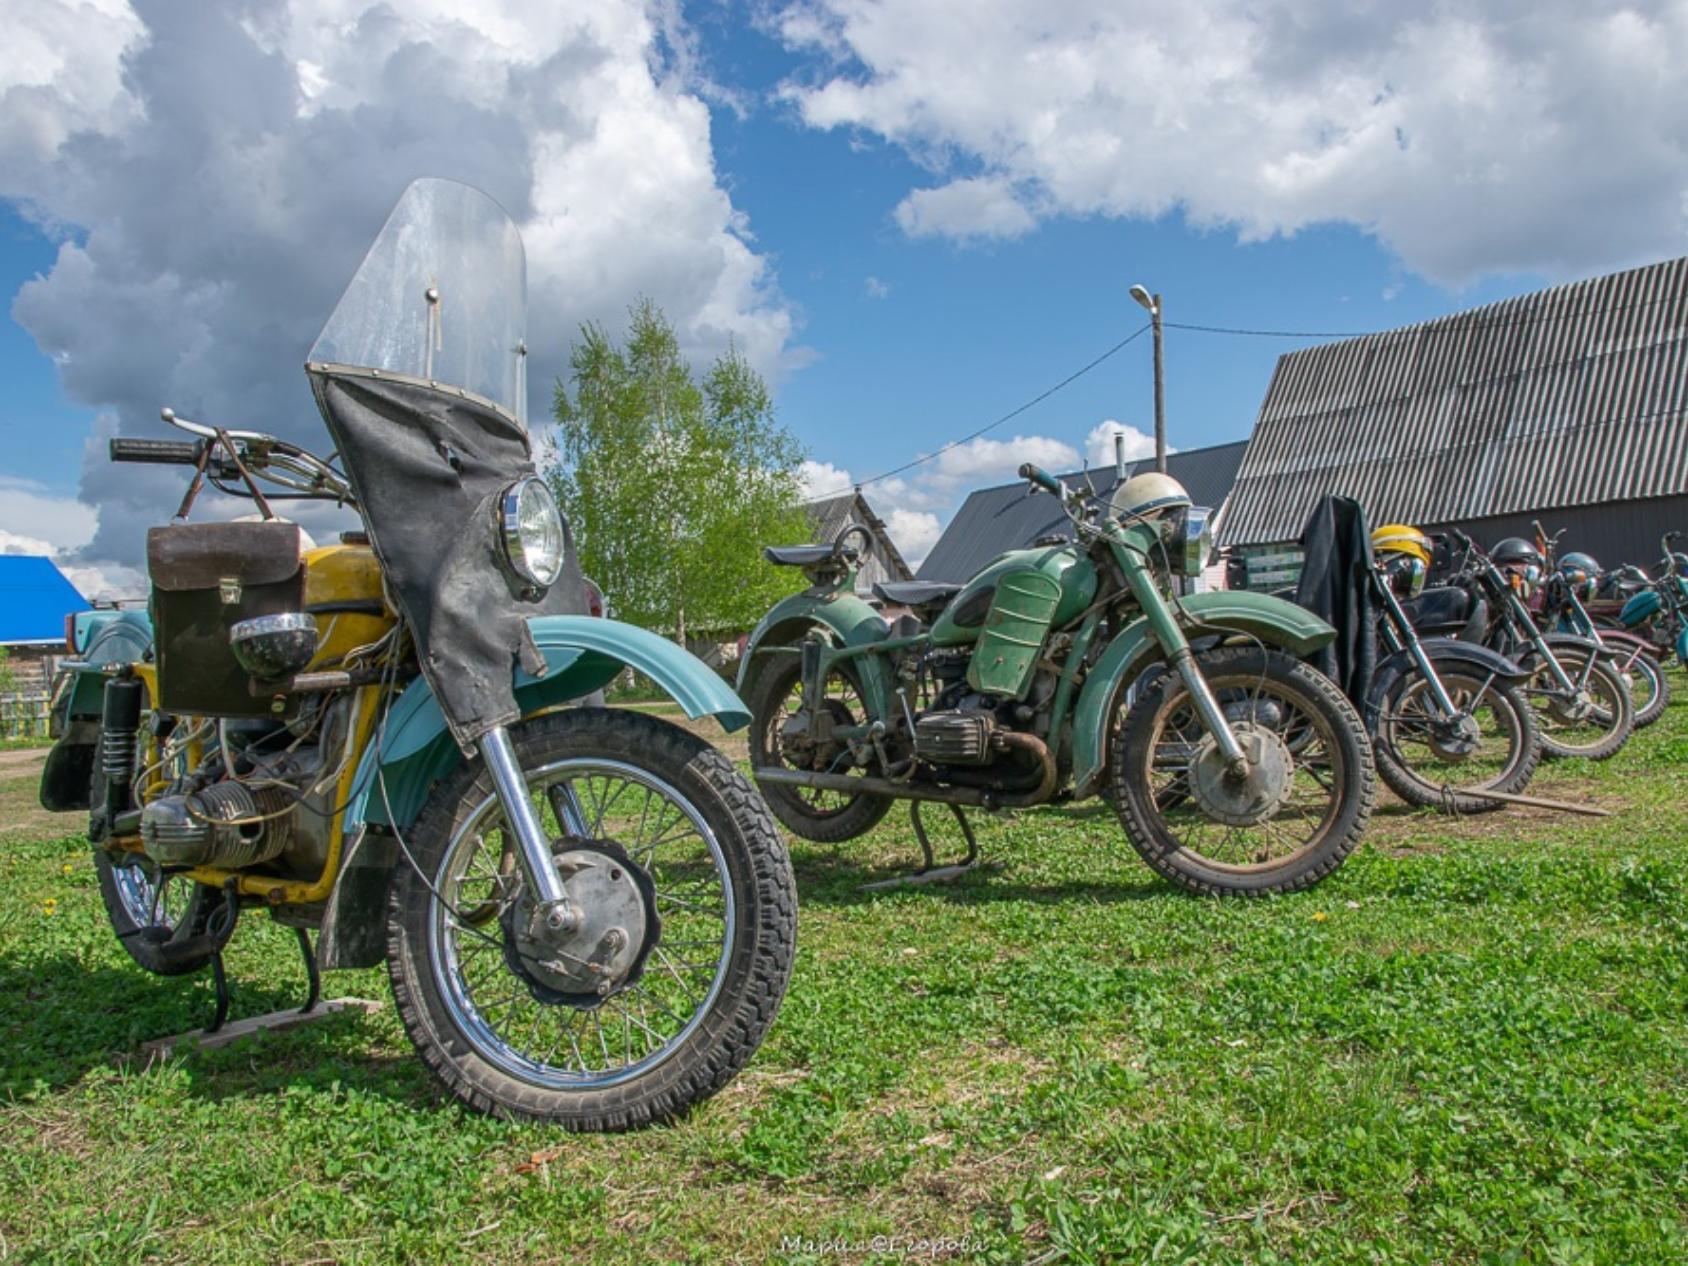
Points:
[(533, 844)]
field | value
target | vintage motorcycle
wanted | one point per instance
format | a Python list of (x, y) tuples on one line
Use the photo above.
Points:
[(1570, 583), (1657, 609), (1449, 720), (1064, 671), (587, 915), (1582, 702)]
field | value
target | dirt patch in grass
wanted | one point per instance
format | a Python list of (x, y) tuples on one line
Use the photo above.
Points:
[(21, 814)]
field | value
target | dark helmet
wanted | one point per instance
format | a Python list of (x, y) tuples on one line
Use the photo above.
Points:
[(1515, 551), (1581, 573)]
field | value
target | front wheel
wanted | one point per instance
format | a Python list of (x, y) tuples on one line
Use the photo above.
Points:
[(681, 955), (1593, 719), (1438, 762), (1290, 822), (1649, 687)]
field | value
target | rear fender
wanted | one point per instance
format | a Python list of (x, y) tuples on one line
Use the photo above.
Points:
[(844, 620), (1272, 620)]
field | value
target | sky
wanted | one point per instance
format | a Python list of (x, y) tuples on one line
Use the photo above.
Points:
[(914, 216)]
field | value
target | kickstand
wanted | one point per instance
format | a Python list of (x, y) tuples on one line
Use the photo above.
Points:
[(222, 979), (221, 926), (314, 993), (930, 872)]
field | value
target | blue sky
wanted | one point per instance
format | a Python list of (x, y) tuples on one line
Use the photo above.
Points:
[(913, 215)]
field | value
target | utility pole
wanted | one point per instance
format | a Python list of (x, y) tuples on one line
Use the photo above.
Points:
[(1153, 304)]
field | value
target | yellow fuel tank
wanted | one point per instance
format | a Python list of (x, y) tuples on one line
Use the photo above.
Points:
[(343, 590)]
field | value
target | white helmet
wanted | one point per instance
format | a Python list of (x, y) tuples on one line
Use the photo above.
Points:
[(1147, 494)]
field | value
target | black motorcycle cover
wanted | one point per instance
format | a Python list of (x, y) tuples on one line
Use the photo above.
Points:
[(1336, 586), (428, 466)]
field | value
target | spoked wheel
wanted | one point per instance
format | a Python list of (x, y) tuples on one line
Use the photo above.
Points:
[(1592, 720), (682, 950), (156, 915), (1649, 688), (1430, 760), (781, 736), (1290, 822)]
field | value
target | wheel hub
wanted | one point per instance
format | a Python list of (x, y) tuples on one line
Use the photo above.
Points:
[(1252, 797), (602, 949), (1455, 738), (1571, 708), (805, 748)]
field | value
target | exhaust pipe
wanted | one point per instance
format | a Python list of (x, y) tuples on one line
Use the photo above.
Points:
[(855, 784)]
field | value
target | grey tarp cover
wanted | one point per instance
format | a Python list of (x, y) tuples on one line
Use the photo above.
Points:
[(428, 467)]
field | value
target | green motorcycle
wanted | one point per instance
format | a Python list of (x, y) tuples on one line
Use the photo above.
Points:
[(1065, 671)]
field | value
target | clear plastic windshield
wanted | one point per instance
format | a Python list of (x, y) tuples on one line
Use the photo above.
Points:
[(441, 296)]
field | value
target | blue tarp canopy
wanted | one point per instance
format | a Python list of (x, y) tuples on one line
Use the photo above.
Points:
[(35, 597)]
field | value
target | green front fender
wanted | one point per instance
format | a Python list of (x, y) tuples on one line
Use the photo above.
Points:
[(1272, 620), (849, 620), (582, 654)]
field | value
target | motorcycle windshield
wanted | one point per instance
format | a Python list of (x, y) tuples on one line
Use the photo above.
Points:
[(441, 297)]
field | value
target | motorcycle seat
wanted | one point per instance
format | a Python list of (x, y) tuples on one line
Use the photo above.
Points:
[(796, 555), (915, 593)]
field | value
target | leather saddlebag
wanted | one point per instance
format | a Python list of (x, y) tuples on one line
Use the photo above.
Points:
[(207, 577)]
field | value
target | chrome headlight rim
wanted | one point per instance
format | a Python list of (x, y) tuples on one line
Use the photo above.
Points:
[(514, 542), (1190, 539)]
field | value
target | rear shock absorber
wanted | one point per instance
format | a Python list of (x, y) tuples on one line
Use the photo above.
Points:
[(120, 719)]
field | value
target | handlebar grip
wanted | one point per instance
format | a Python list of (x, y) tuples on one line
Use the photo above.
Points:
[(1042, 478), (156, 452)]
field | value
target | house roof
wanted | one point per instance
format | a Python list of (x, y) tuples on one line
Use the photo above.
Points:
[(1571, 396), (993, 521), (832, 515), (35, 597)]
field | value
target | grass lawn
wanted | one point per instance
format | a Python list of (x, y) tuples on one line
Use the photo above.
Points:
[(1469, 1045)]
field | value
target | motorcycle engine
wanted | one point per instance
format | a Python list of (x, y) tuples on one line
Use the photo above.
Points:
[(277, 809), (954, 738)]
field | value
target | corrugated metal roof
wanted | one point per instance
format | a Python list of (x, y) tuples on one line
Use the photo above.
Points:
[(994, 520), (35, 597), (1570, 396)]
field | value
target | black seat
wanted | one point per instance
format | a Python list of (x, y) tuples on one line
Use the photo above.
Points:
[(915, 593), (797, 555)]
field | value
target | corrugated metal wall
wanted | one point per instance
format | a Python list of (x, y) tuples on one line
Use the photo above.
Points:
[(1568, 397)]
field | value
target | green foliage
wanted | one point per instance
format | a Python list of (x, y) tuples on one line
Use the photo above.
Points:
[(7, 679), (1469, 1045), (673, 485)]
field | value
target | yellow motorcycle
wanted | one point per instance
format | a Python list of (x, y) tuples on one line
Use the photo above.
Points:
[(587, 914)]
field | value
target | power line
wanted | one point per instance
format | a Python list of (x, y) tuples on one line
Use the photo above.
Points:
[(1451, 324), (989, 426)]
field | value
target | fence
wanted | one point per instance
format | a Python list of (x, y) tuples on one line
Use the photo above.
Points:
[(23, 714)]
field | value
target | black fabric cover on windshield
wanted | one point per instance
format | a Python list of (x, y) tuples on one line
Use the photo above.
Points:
[(428, 467)]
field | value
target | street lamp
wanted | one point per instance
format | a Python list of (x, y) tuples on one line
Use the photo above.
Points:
[(1152, 304)]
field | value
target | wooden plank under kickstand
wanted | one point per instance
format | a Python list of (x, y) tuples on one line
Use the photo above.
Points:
[(273, 1022)]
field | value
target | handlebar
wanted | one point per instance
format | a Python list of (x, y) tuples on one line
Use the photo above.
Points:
[(1042, 479), (157, 452)]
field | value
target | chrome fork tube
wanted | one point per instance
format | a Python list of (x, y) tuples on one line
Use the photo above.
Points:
[(533, 848), (1207, 707)]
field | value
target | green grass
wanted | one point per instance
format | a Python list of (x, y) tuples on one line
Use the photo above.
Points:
[(1467, 1046)]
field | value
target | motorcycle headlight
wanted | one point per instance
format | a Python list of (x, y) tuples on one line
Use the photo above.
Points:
[(1189, 539), (532, 533)]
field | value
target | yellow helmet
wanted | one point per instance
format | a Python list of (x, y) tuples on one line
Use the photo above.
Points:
[(1401, 538)]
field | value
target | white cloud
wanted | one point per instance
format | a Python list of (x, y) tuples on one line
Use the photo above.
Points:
[(1470, 139), (225, 166), (1099, 444), (914, 533), (823, 479), (965, 209), (874, 288), (31, 512)]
